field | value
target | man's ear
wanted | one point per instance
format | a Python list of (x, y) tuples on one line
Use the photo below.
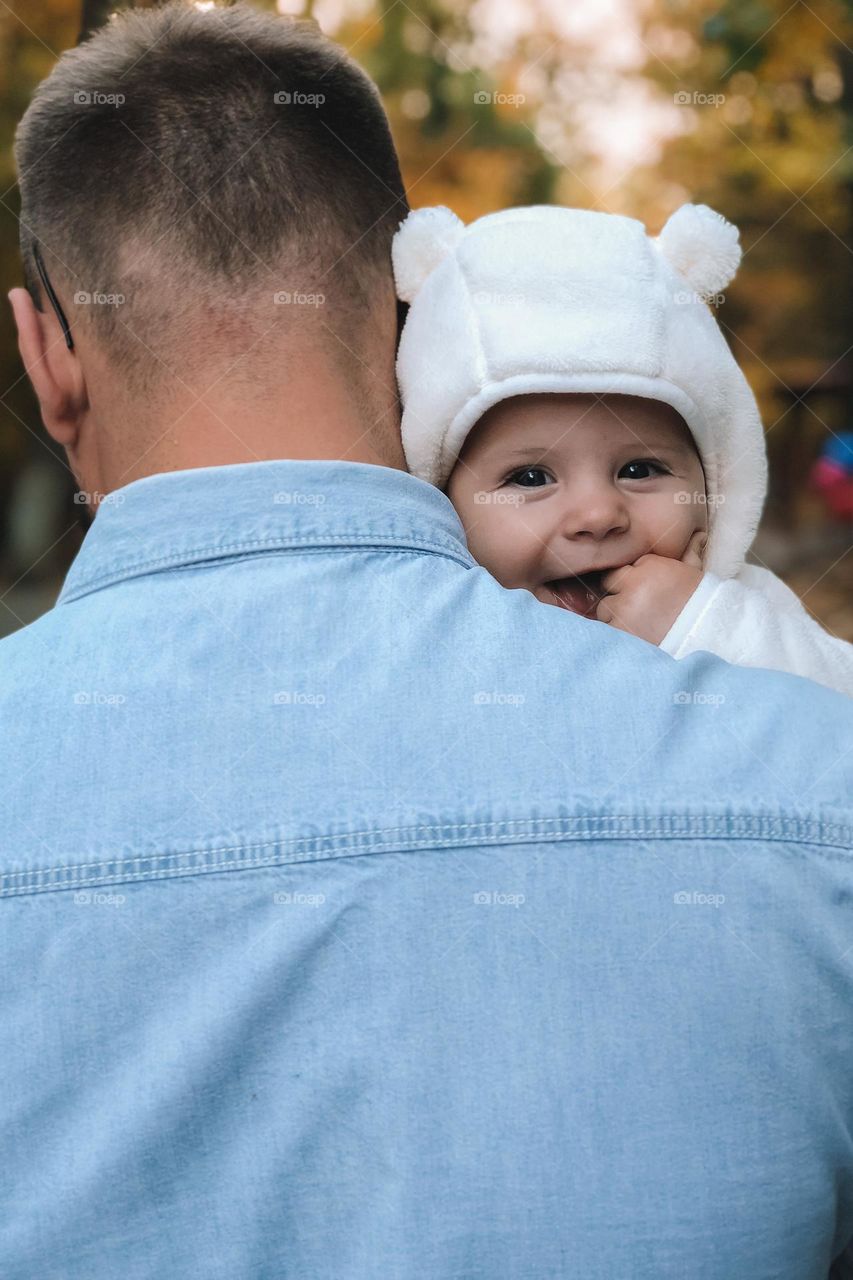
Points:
[(55, 372)]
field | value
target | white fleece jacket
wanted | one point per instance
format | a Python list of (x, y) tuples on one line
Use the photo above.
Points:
[(754, 620)]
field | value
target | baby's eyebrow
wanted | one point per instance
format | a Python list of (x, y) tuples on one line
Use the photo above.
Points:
[(683, 447), (653, 446)]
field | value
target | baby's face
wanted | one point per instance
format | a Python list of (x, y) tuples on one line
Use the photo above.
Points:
[(550, 488)]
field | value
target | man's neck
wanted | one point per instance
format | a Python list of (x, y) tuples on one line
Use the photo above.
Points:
[(216, 432), (182, 449)]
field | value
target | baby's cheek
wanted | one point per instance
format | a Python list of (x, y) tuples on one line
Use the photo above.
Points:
[(676, 518), (500, 543), (477, 521), (492, 545)]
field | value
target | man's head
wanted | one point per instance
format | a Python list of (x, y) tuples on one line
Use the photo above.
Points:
[(554, 487), (213, 193)]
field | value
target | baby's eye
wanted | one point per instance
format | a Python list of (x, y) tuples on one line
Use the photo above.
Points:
[(529, 478), (636, 468)]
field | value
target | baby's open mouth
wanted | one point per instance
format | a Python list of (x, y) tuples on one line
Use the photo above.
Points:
[(579, 593)]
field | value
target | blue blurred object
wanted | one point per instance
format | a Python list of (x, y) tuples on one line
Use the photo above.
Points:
[(839, 449)]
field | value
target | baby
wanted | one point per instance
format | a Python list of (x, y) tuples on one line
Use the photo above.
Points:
[(565, 382)]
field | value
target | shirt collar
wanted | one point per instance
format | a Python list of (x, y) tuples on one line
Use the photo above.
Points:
[(179, 518)]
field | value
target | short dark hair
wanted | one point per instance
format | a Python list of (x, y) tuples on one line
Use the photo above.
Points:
[(235, 149)]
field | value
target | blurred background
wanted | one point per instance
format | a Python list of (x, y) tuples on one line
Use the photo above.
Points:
[(628, 106)]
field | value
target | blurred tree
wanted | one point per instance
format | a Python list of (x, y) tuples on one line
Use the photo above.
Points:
[(768, 97)]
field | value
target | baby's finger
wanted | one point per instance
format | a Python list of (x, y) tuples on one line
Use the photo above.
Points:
[(603, 610), (695, 547), (614, 579)]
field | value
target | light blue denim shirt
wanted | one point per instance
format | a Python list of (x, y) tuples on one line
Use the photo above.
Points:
[(363, 919)]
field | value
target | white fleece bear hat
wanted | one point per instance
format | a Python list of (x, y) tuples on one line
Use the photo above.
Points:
[(550, 299)]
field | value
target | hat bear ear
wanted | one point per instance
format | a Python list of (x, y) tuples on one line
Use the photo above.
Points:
[(702, 247), (424, 240)]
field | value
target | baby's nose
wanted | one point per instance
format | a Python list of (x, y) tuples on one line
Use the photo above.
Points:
[(594, 515)]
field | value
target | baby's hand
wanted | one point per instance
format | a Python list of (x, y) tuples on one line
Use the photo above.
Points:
[(645, 598)]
